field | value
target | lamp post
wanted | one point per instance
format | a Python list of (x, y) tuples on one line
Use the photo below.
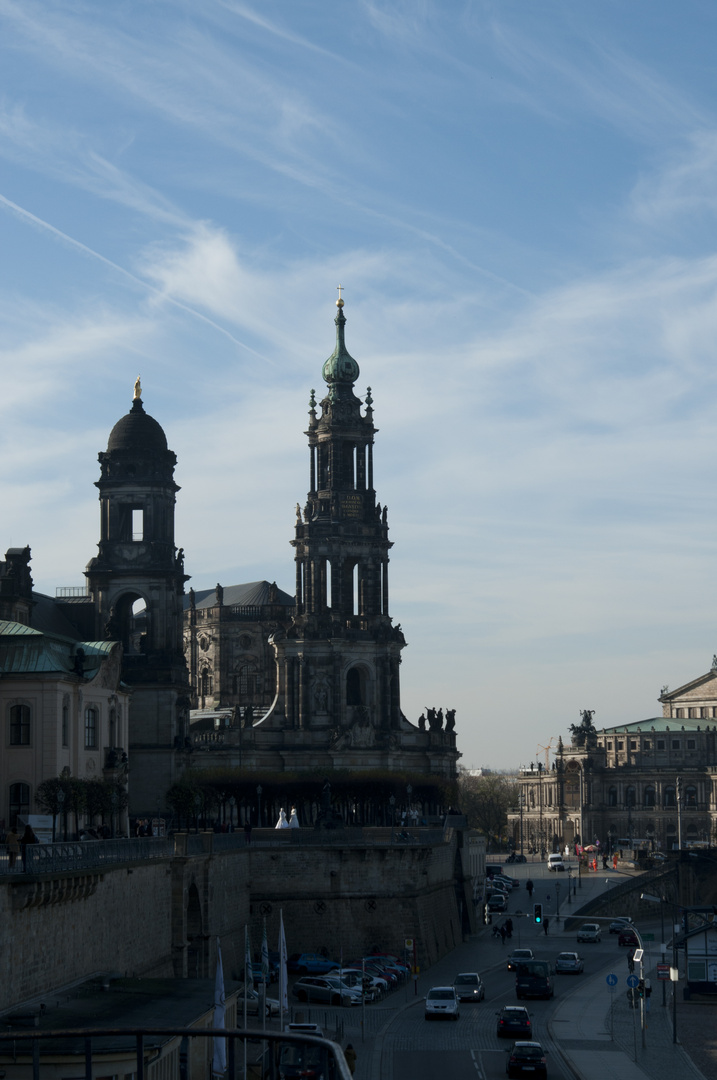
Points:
[(232, 804), (521, 800), (259, 790), (673, 970), (557, 900), (570, 873), (61, 805)]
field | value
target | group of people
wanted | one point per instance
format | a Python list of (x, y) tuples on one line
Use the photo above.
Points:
[(291, 823), (505, 930)]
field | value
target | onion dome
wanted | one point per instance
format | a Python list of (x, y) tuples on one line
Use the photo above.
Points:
[(340, 366)]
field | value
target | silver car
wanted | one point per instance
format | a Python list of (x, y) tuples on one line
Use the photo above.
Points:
[(589, 931)]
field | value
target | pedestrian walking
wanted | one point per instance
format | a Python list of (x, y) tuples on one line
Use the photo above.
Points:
[(614, 861), (529, 886), (350, 1055), (631, 960), (546, 924), (509, 927), (28, 837), (502, 934)]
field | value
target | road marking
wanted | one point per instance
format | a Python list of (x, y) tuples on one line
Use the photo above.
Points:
[(476, 1063)]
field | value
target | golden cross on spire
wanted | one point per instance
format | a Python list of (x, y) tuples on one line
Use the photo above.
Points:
[(339, 302), (340, 287)]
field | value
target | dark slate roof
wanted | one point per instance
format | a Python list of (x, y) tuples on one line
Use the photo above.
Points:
[(48, 617), (251, 594), (138, 431)]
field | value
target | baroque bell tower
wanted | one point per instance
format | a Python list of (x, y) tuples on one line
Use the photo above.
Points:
[(338, 665), (137, 582)]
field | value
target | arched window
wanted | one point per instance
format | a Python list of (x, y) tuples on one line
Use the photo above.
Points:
[(19, 802), (669, 798), (20, 725), (649, 796), (354, 687), (91, 725), (630, 797), (206, 683), (612, 796), (691, 796)]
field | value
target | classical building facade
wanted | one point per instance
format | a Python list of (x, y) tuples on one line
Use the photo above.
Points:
[(337, 695), (62, 703), (649, 784)]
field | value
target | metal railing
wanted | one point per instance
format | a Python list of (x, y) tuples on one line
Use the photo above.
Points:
[(84, 854), (98, 1046)]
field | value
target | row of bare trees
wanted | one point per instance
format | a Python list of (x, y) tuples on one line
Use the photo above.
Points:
[(67, 797)]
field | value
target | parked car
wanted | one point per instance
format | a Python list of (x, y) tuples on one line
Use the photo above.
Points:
[(272, 975), (589, 931), (517, 955), (618, 925), (513, 1020), (468, 986), (628, 937), (252, 1003), (509, 882), (342, 986), (527, 1057), (442, 1004), (308, 963), (568, 963), (555, 862), (496, 903), (374, 984), (320, 988)]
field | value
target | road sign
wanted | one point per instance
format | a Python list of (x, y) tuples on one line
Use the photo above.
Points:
[(648, 937), (663, 971), (632, 981), (611, 979), (408, 943)]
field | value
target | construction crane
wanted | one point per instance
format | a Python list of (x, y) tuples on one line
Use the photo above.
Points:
[(547, 751)]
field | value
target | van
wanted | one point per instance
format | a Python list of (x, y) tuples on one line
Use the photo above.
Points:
[(555, 862), (533, 979)]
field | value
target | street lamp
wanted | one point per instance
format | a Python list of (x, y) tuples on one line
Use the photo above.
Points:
[(673, 971), (557, 894), (570, 872), (259, 790)]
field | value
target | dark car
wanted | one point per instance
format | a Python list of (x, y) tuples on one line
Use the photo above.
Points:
[(468, 986), (628, 937), (526, 1057), (518, 956), (516, 858), (497, 903), (513, 1020), (310, 963), (618, 925)]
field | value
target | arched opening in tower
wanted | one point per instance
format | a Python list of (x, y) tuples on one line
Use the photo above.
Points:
[(129, 623)]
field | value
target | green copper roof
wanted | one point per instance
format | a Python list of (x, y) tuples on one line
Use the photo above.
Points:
[(340, 366), (657, 723), (24, 650)]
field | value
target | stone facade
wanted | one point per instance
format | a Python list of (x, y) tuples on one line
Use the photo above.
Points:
[(653, 780), (164, 917)]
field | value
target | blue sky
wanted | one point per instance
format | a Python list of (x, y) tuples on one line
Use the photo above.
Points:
[(519, 199)]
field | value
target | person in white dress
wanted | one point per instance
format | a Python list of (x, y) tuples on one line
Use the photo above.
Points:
[(282, 823), (293, 820)]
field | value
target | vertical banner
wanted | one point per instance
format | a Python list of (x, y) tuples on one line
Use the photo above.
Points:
[(219, 1060), (283, 974)]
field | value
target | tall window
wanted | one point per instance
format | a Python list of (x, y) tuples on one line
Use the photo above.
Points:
[(649, 796), (630, 797), (91, 728), (612, 796), (670, 798), (691, 796), (20, 725), (19, 802)]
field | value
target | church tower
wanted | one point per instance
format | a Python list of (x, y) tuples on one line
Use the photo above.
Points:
[(137, 583)]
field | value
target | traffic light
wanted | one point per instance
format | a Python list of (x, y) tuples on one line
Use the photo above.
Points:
[(641, 988), (537, 913)]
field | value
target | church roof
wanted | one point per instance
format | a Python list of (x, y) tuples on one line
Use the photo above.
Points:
[(137, 431), (49, 618), (251, 594), (340, 366)]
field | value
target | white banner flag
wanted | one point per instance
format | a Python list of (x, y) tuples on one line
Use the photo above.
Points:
[(264, 955), (219, 1061), (283, 989)]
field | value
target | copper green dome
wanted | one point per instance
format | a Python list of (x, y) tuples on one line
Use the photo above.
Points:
[(340, 366)]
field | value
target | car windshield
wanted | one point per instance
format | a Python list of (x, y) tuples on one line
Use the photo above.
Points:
[(441, 995), (467, 980), (529, 1051), (567, 956)]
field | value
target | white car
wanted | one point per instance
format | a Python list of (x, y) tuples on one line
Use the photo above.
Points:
[(442, 1003), (555, 862), (589, 931)]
